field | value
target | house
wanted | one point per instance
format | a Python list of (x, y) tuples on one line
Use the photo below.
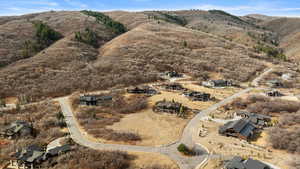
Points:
[(58, 150), (274, 93), (242, 129), (259, 120), (173, 74), (169, 107), (34, 155), (217, 83), (240, 163), (30, 156), (197, 96), (275, 83), (93, 100), (142, 90), (174, 86), (17, 129)]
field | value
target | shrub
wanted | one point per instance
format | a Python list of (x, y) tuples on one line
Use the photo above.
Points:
[(270, 51), (87, 158), (184, 149), (285, 139), (115, 26), (2, 103)]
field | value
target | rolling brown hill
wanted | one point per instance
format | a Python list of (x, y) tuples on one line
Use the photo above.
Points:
[(156, 41)]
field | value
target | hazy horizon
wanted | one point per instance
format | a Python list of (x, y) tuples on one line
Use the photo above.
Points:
[(238, 7)]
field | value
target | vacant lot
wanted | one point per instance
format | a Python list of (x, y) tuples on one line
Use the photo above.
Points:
[(153, 128)]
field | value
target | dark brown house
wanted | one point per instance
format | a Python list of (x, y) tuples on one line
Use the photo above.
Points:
[(242, 129)]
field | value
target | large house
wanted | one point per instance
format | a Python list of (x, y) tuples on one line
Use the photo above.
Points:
[(197, 96), (142, 90), (217, 83), (274, 93), (259, 120), (242, 129), (17, 129), (174, 86), (240, 163), (173, 74), (275, 83), (93, 100), (169, 107)]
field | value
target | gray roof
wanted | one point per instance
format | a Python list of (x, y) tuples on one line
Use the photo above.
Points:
[(239, 163), (17, 127), (254, 164), (242, 126), (30, 154), (60, 149)]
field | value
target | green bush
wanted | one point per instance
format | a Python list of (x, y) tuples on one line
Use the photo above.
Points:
[(44, 36), (115, 26), (88, 37), (184, 149)]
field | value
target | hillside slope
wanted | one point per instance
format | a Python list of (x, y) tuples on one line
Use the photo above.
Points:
[(132, 58), (288, 30), (14, 31)]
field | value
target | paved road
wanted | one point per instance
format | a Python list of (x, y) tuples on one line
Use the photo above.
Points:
[(192, 127), (259, 78), (170, 150)]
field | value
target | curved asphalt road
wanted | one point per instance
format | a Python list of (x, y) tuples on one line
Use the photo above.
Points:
[(170, 150)]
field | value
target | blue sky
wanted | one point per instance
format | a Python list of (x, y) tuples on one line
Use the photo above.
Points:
[(237, 7)]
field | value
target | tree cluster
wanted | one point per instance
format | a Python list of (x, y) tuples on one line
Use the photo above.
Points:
[(44, 37), (87, 36), (115, 26)]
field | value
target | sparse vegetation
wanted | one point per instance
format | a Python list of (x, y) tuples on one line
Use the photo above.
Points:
[(93, 159), (115, 26), (285, 139), (264, 105)]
